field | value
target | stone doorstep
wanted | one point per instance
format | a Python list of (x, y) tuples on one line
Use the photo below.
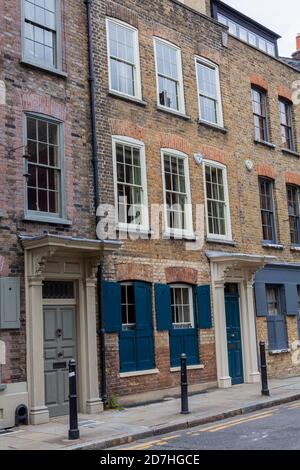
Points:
[(180, 425)]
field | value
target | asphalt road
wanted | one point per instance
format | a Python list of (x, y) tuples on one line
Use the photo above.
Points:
[(271, 429)]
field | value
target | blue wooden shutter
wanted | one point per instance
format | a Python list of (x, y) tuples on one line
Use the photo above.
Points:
[(291, 299), (111, 307), (144, 326), (203, 301), (277, 332), (163, 307), (9, 303), (261, 299)]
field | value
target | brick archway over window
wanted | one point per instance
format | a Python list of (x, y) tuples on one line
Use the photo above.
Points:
[(266, 170), (134, 272), (184, 275)]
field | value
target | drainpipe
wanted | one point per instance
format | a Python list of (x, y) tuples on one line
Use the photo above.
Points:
[(95, 160)]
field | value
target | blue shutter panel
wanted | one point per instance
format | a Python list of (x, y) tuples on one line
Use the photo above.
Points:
[(261, 299), (111, 307), (277, 333), (144, 326), (163, 307), (291, 299), (204, 314)]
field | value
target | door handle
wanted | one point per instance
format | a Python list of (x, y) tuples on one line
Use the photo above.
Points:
[(59, 333), (60, 355)]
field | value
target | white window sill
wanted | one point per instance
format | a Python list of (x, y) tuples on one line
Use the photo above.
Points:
[(213, 126), (47, 220), (173, 111), (265, 143), (40, 66), (295, 248), (196, 367), (279, 351), (181, 235), (133, 99), (274, 246), (138, 230), (138, 373), (221, 241)]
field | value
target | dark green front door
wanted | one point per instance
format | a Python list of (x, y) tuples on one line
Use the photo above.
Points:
[(234, 342)]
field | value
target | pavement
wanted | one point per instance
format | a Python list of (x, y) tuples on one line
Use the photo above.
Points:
[(276, 428), (117, 427)]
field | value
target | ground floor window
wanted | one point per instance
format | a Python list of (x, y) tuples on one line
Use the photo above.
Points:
[(182, 306), (276, 319), (183, 334), (128, 307)]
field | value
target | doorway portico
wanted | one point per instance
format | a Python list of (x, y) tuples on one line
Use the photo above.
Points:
[(239, 269), (57, 258)]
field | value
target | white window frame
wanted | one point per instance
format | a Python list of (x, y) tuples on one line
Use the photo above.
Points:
[(228, 235), (168, 231), (191, 304), (144, 227), (137, 68), (181, 100), (58, 43), (208, 63)]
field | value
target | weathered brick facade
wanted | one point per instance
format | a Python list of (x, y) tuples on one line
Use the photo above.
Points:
[(66, 98), (163, 261)]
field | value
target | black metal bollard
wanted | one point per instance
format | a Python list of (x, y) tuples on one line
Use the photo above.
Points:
[(73, 431), (184, 386), (264, 373)]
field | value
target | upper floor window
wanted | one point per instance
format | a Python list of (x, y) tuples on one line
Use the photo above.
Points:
[(294, 213), (123, 57), (286, 124), (130, 183), (248, 36), (177, 197), (267, 209), (169, 76), (41, 32), (217, 201), (44, 166), (209, 92), (259, 105), (274, 300)]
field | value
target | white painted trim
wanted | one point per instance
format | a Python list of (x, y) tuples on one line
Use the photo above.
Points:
[(228, 234), (58, 302), (178, 233), (191, 302), (181, 100), (145, 215), (196, 367), (220, 119), (138, 373), (137, 66)]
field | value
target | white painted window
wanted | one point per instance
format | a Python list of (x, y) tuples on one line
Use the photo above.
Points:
[(177, 196), (41, 32), (217, 201), (130, 183), (182, 306), (128, 306), (209, 91), (123, 59), (170, 92)]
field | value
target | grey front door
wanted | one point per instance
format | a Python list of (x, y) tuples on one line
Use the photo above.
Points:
[(59, 348)]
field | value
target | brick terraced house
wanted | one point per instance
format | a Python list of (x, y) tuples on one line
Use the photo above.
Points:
[(49, 252), (191, 122), (195, 111)]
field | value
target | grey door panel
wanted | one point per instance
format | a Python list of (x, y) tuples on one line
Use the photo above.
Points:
[(59, 348)]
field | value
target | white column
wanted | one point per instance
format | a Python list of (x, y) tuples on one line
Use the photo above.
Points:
[(224, 380), (93, 404), (39, 413), (253, 375)]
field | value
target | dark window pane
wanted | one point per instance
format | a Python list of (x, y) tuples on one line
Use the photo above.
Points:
[(42, 131), (31, 129), (31, 196), (42, 201), (42, 178), (32, 151), (43, 154), (53, 202)]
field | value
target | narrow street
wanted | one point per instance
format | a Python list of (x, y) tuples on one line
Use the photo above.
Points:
[(276, 428)]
